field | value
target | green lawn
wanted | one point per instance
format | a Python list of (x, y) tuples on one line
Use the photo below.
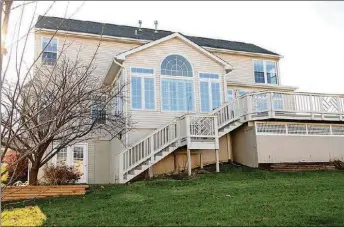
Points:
[(237, 196)]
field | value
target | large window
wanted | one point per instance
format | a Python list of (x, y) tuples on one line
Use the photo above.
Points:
[(209, 91), (177, 89), (49, 51), (142, 89), (177, 95), (265, 72), (176, 65)]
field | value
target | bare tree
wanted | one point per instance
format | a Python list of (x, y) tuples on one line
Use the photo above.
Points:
[(47, 106)]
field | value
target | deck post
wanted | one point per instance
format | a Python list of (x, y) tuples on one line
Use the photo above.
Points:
[(150, 172), (217, 160), (201, 160), (189, 161)]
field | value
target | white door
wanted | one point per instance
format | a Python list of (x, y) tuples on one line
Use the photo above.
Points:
[(75, 156), (79, 160)]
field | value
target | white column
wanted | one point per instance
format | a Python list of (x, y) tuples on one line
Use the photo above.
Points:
[(189, 161), (217, 160)]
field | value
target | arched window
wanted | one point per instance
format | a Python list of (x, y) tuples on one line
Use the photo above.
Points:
[(176, 65)]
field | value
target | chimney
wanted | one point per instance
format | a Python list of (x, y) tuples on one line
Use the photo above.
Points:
[(140, 25), (156, 26)]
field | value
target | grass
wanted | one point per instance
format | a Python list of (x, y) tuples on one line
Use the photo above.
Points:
[(237, 196)]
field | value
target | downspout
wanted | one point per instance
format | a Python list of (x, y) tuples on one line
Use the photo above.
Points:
[(126, 140)]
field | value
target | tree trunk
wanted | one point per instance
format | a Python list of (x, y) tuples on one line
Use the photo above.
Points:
[(33, 176)]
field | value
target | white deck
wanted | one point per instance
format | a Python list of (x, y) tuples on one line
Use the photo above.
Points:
[(202, 131)]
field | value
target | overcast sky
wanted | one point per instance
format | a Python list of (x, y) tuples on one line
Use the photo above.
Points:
[(309, 35)]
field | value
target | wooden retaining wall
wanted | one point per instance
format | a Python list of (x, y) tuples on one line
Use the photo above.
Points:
[(32, 192)]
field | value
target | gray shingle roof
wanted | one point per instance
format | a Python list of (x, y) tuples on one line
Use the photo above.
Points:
[(146, 33)]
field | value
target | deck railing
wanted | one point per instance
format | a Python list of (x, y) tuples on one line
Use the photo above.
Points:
[(253, 106), (145, 149), (282, 105)]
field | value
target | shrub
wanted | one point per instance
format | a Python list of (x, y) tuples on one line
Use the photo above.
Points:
[(16, 171), (60, 175), (338, 164)]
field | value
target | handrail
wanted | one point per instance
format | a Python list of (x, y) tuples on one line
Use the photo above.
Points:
[(149, 135)]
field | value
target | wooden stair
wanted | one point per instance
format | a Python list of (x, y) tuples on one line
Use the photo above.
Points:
[(299, 167)]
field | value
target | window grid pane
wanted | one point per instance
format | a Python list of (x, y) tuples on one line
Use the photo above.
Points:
[(177, 95), (149, 93), (271, 74), (136, 93), (176, 65), (215, 95), (229, 95), (205, 105)]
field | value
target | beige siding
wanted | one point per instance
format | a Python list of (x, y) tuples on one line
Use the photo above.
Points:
[(152, 58), (105, 54), (243, 67), (244, 146), (102, 162), (116, 146), (289, 149)]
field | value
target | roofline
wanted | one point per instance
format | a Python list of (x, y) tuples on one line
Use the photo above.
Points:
[(122, 56), (229, 51), (83, 34), (144, 41), (266, 86)]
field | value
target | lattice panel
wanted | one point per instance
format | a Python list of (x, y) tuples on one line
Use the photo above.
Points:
[(297, 129), (202, 126), (271, 128), (338, 130), (330, 104), (319, 129)]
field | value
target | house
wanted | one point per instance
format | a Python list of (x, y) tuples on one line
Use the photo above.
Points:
[(195, 101)]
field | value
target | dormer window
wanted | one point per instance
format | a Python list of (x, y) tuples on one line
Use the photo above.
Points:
[(265, 72)]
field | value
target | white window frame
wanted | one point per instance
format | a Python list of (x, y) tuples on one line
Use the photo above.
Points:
[(142, 76), (43, 51), (265, 72), (209, 80), (192, 78)]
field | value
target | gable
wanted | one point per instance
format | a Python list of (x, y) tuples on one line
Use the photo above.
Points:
[(226, 65), (153, 56)]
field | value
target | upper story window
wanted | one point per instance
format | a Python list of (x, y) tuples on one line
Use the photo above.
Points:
[(142, 89), (210, 93), (176, 65), (265, 72), (49, 51)]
